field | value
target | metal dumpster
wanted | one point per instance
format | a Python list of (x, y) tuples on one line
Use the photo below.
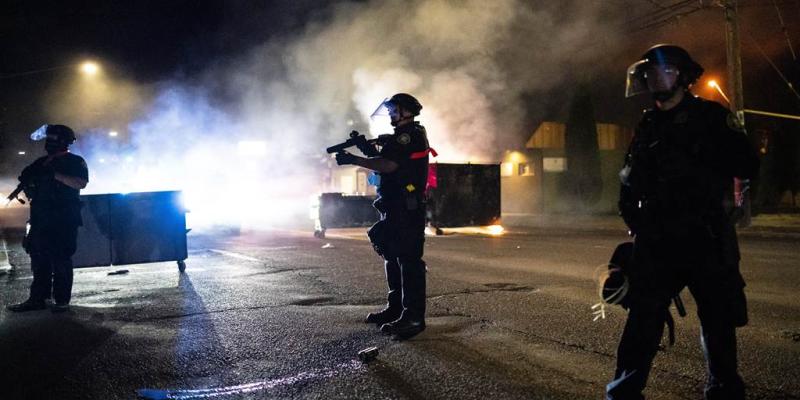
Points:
[(336, 210), (463, 195), (131, 228)]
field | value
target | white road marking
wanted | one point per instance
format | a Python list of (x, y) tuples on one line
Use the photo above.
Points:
[(235, 255), (161, 394)]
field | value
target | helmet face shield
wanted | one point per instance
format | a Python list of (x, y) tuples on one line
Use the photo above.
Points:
[(661, 78), (56, 137), (388, 110), (663, 68), (383, 110), (635, 82), (39, 134)]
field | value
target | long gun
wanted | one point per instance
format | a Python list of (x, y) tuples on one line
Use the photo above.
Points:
[(355, 140)]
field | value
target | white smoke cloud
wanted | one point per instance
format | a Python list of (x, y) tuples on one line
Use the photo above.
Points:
[(469, 62)]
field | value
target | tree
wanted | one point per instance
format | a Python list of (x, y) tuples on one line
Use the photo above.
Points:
[(582, 184)]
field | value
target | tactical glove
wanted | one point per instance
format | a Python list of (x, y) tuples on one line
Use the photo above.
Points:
[(345, 158), (367, 148)]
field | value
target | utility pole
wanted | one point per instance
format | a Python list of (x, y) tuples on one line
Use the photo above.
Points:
[(734, 56)]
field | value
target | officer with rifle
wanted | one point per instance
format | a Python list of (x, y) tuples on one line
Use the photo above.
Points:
[(52, 184), (675, 198), (399, 236)]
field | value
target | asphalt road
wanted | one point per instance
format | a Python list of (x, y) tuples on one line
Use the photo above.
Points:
[(278, 314)]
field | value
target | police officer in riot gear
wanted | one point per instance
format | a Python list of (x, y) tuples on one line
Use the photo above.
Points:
[(52, 183), (678, 175), (402, 165)]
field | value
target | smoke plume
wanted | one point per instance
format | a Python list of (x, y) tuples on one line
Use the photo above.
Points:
[(470, 63)]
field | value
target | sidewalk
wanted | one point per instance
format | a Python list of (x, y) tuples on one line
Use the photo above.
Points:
[(765, 225)]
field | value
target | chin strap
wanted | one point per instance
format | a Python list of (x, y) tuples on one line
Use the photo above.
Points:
[(396, 123)]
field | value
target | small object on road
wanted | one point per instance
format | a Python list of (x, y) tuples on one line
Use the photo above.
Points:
[(368, 354), (519, 247), (119, 272), (327, 246)]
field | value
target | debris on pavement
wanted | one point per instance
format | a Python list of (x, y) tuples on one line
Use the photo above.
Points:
[(368, 354), (119, 272)]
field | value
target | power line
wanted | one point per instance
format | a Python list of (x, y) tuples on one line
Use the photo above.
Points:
[(660, 13), (785, 31), (666, 14), (775, 67), (657, 4)]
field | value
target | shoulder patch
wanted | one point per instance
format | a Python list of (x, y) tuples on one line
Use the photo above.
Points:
[(404, 139), (734, 123)]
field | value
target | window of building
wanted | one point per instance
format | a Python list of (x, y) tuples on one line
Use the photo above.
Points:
[(525, 169)]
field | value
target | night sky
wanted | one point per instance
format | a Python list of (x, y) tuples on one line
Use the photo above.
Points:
[(146, 39)]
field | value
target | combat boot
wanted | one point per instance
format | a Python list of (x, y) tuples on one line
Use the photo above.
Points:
[(403, 328), (27, 305), (384, 316), (59, 308)]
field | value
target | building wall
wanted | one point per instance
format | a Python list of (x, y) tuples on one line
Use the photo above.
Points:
[(520, 183), (539, 192), (350, 180)]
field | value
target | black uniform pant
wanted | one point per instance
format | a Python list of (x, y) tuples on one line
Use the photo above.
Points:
[(405, 277), (51, 251), (720, 307), (399, 237)]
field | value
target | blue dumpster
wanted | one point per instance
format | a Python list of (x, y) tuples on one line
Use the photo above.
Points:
[(131, 228)]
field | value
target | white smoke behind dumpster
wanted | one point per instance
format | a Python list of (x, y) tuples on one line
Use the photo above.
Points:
[(469, 62)]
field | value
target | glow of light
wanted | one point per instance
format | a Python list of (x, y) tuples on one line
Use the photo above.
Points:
[(495, 230), (22, 153), (508, 168), (491, 230), (715, 85), (313, 212), (113, 133), (90, 68), (256, 148), (515, 157), (128, 159), (102, 160)]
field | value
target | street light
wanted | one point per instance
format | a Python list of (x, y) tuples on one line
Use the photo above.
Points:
[(715, 85), (90, 68)]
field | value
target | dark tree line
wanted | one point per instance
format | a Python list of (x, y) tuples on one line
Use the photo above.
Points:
[(583, 183)]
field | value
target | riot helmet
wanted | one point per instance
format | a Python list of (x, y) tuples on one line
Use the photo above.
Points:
[(57, 137), (400, 107), (662, 70)]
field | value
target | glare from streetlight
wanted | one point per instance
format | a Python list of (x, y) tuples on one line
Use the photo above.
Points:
[(90, 68), (715, 85), (113, 133), (22, 153)]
